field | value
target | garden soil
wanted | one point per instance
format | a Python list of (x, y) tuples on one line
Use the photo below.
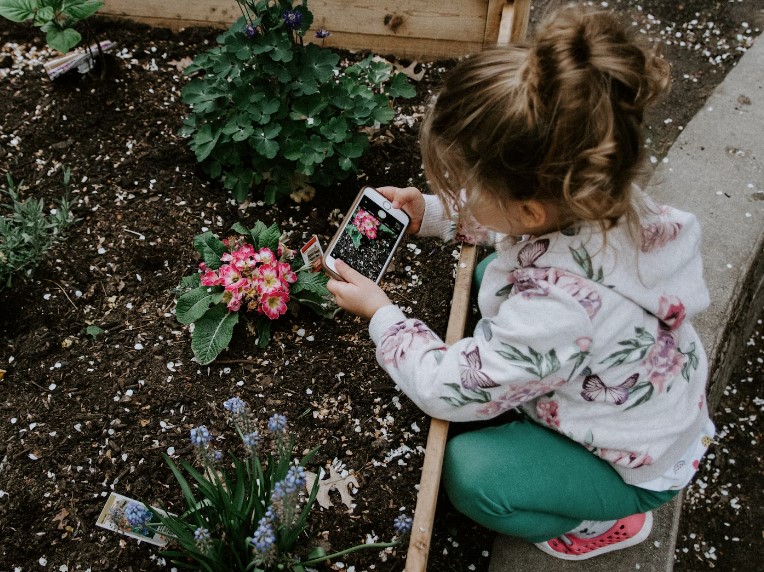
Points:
[(83, 415)]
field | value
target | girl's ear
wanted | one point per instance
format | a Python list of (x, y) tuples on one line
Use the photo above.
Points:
[(534, 214)]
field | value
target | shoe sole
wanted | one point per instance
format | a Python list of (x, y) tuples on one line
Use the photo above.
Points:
[(642, 535)]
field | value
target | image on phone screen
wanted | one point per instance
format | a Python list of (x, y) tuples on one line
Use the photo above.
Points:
[(369, 239)]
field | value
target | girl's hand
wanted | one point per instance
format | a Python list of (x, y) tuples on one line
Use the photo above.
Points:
[(410, 201), (357, 294)]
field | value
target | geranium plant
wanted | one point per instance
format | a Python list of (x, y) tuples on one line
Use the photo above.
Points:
[(252, 270), (273, 113), (243, 513)]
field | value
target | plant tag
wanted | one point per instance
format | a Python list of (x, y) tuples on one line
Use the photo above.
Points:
[(312, 253), (112, 518)]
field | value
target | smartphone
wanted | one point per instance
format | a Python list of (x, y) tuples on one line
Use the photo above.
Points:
[(368, 236)]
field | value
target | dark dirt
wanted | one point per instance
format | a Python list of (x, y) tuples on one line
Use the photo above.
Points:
[(80, 417)]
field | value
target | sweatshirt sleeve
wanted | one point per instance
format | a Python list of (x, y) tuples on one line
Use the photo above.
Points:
[(436, 223), (514, 357)]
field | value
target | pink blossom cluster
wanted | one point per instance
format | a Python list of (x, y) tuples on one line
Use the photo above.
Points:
[(366, 224), (258, 279)]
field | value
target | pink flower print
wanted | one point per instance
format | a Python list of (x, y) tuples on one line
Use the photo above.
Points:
[(530, 281), (548, 412), (671, 311), (628, 459), (491, 409), (658, 234), (663, 362), (583, 343), (471, 374), (401, 337), (700, 403), (286, 273), (696, 464), (534, 281), (274, 304), (520, 394)]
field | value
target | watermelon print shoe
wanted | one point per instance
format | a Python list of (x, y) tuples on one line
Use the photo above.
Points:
[(625, 532)]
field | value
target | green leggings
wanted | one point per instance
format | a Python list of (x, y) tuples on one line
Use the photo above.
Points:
[(528, 481), (524, 480)]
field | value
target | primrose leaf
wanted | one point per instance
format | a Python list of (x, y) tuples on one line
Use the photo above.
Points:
[(212, 333), (194, 304), (211, 248)]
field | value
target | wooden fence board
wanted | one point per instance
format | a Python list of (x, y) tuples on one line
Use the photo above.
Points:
[(426, 28)]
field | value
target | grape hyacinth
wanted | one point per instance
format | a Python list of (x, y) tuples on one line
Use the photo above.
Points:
[(322, 33), (264, 539), (251, 440), (277, 423), (202, 538), (236, 406), (200, 436), (403, 524)]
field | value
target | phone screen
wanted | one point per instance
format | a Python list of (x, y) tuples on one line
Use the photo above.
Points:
[(369, 239)]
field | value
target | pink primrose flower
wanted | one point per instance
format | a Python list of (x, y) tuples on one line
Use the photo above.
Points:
[(269, 280), (401, 337), (233, 300), (663, 362), (229, 276), (671, 311), (286, 273), (210, 278), (265, 256), (274, 304)]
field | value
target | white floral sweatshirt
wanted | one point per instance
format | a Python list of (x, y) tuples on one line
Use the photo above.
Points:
[(591, 340)]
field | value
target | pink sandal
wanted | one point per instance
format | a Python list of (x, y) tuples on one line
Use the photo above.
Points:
[(624, 533)]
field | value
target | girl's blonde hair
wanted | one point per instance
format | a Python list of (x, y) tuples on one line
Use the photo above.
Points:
[(558, 120)]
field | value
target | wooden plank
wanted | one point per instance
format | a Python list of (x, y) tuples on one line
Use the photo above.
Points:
[(429, 484), (520, 17), (493, 22), (425, 29)]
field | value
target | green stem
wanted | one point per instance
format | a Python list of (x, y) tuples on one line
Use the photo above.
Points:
[(348, 551)]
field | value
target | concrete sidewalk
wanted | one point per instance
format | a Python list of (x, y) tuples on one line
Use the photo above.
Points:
[(715, 169)]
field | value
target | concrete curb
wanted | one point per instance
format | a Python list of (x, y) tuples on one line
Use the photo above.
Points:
[(715, 169)]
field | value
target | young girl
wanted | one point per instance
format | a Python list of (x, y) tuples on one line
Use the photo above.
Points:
[(585, 319)]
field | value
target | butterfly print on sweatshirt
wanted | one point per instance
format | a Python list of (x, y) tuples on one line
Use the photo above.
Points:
[(594, 389)]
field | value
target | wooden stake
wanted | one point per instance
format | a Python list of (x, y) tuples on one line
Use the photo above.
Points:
[(424, 514)]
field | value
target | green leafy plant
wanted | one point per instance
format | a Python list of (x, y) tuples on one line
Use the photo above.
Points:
[(244, 513), (26, 232), (273, 113), (54, 17), (252, 269)]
